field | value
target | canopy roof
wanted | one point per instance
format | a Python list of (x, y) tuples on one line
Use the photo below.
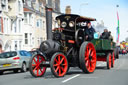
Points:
[(78, 18)]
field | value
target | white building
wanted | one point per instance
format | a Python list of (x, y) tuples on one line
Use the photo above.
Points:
[(11, 24), (23, 23), (34, 24)]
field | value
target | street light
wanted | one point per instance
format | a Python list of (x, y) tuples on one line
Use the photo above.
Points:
[(81, 7)]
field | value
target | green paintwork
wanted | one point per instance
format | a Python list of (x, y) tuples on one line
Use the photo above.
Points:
[(103, 44)]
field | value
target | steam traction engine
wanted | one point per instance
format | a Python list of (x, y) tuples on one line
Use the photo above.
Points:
[(68, 48)]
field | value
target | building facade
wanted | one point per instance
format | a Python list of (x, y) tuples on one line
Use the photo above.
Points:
[(23, 23), (11, 17)]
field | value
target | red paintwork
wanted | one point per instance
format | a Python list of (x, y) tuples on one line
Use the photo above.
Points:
[(113, 58), (71, 41), (101, 58), (110, 58), (60, 65), (36, 62), (90, 51)]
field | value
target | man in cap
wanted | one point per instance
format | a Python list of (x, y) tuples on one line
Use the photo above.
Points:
[(89, 32)]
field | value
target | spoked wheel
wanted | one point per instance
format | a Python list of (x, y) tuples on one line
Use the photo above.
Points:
[(113, 59), (109, 61), (87, 57), (59, 64), (36, 65)]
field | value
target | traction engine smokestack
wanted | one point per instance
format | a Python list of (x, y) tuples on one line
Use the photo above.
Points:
[(49, 22)]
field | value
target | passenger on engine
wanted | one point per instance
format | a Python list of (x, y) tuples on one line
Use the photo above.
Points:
[(105, 34), (89, 32)]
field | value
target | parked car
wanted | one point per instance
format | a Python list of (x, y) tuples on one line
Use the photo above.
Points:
[(14, 60), (34, 52)]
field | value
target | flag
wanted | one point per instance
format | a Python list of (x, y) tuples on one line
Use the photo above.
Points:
[(118, 30)]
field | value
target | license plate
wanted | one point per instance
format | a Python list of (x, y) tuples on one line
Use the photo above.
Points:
[(6, 65), (46, 62)]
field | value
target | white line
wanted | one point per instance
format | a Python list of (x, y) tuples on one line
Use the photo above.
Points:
[(70, 78)]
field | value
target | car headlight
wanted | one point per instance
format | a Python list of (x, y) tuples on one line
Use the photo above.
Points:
[(63, 24), (71, 24)]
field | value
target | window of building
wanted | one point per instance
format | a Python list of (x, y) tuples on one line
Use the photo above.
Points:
[(25, 18), (29, 3), (4, 4), (20, 42), (19, 6), (7, 31), (42, 10), (49, 2), (19, 26), (43, 25), (30, 39), (39, 23), (53, 5), (5, 26), (26, 38), (37, 7), (15, 30), (15, 45), (28, 18), (57, 6)]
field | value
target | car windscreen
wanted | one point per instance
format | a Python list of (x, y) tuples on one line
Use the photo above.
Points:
[(25, 53), (8, 54)]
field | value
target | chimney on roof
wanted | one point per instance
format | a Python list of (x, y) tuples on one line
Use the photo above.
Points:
[(68, 10)]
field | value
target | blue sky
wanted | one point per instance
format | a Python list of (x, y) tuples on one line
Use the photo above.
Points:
[(102, 10)]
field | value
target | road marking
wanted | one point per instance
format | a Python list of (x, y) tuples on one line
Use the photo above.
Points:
[(71, 78)]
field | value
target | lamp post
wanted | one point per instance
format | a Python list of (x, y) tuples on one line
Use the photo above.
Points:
[(81, 7)]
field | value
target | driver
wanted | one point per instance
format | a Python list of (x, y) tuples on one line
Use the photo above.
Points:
[(89, 32)]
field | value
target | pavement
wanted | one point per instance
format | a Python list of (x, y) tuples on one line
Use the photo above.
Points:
[(101, 76)]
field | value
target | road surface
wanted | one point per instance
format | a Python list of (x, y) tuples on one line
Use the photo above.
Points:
[(116, 76)]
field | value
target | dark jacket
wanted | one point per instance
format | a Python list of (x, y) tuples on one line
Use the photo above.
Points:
[(105, 35), (90, 32)]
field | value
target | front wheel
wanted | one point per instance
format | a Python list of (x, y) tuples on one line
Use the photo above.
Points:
[(36, 67), (59, 64), (87, 57)]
